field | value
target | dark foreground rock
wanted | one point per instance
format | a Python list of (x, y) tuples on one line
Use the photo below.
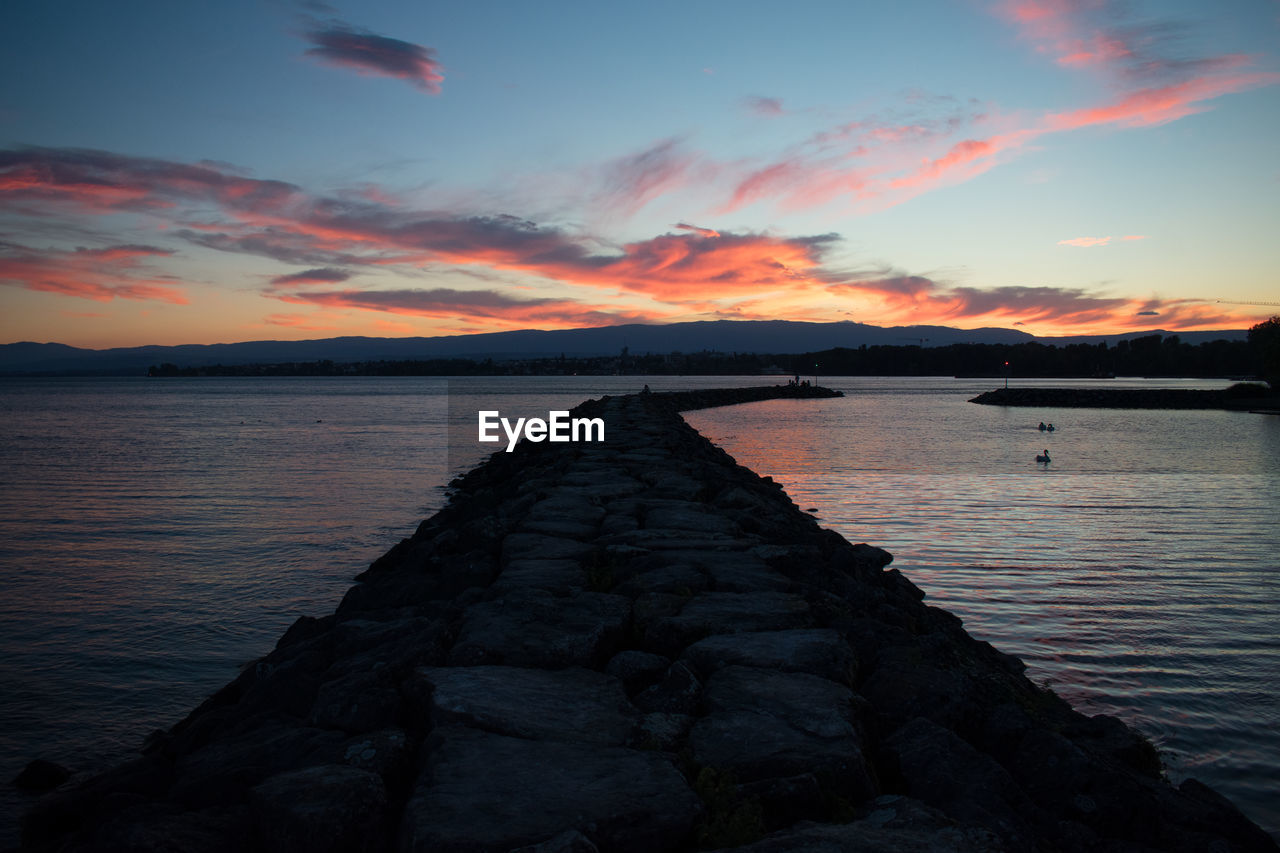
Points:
[(633, 646)]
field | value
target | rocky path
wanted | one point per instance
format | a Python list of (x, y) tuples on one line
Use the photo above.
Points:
[(636, 646)]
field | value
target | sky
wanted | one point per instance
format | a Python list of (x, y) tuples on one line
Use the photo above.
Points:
[(205, 172)]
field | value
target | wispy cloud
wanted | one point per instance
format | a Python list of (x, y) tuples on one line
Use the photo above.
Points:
[(114, 272), (322, 276), (446, 303), (103, 182), (626, 184), (1104, 36), (767, 107), (1092, 242), (344, 46), (302, 322)]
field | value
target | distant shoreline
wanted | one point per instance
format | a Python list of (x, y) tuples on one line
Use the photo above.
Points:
[(1242, 397)]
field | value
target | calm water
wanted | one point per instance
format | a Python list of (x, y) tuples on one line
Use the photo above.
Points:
[(156, 535)]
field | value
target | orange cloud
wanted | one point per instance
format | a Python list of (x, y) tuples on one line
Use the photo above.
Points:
[(116, 272)]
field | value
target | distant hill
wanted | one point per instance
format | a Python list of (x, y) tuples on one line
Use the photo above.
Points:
[(762, 336)]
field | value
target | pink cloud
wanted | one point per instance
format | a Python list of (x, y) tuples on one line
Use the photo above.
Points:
[(1159, 105), (965, 160), (629, 183), (1085, 242), (116, 272)]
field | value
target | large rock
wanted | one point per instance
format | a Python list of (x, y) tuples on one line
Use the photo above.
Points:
[(727, 613), (817, 651), (942, 770), (762, 724), (483, 791), (536, 628), (321, 809), (567, 704)]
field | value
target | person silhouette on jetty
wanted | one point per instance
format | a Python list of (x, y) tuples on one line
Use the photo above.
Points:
[(1044, 458)]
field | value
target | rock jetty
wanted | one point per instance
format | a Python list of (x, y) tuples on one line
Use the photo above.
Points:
[(636, 645), (1245, 396)]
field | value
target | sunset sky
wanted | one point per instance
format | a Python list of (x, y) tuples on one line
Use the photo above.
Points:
[(204, 172)]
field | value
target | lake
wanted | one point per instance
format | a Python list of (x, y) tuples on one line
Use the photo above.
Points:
[(155, 535)]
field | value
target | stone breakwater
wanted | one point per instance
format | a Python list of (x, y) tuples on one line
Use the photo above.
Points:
[(1129, 398), (636, 645)]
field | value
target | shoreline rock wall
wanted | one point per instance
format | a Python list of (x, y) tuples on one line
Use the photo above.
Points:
[(632, 646)]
